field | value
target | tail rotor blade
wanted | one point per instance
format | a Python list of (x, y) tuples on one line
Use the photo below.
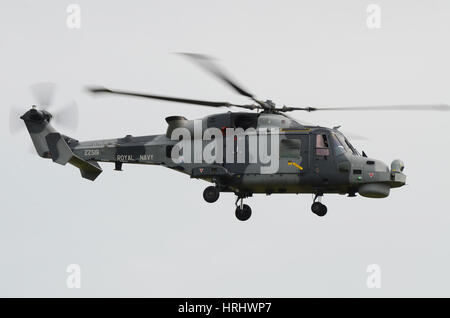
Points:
[(15, 123), (67, 116), (43, 93)]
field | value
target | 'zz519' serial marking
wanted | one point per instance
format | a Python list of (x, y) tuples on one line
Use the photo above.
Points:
[(91, 152)]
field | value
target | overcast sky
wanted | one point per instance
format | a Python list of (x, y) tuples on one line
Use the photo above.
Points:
[(146, 231)]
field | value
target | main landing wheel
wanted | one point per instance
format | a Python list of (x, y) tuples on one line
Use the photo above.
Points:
[(211, 194), (319, 208), (243, 214)]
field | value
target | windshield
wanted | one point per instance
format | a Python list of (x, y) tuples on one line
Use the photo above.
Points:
[(341, 145)]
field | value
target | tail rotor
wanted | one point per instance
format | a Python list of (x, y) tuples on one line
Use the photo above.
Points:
[(44, 95)]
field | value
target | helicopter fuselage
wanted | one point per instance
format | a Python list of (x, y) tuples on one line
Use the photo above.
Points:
[(244, 153), (311, 159)]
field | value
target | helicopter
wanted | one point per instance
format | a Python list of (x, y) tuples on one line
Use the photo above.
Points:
[(304, 158)]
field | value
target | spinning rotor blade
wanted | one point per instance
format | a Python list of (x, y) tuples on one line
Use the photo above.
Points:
[(43, 93), (431, 107), (353, 136), (15, 123), (67, 116), (346, 133), (97, 90), (207, 63)]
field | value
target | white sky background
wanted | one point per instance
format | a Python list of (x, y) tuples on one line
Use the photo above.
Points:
[(146, 231)]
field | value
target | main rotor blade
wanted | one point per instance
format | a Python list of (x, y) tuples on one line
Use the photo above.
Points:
[(207, 63), (354, 136), (430, 107), (43, 93), (103, 90), (346, 133)]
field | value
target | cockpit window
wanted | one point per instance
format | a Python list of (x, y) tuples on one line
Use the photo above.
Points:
[(322, 147), (338, 146), (355, 152), (341, 145)]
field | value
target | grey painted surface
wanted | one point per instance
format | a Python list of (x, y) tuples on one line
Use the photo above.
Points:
[(297, 54)]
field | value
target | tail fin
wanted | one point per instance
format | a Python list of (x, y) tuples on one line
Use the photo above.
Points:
[(51, 144)]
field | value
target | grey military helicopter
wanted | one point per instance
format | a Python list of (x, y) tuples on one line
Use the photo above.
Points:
[(311, 159)]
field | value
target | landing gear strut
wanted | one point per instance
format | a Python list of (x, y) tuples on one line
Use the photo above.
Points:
[(243, 211), (211, 194), (317, 207)]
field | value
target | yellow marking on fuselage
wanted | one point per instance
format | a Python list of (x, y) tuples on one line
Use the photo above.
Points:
[(294, 130), (295, 165)]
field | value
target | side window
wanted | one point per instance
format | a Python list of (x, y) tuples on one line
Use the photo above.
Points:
[(322, 146), (290, 148)]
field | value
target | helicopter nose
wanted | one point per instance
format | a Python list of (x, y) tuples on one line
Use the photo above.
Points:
[(375, 165)]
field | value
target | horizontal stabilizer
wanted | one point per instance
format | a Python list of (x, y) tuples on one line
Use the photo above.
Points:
[(89, 169)]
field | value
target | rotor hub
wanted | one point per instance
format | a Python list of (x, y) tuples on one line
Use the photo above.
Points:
[(36, 115)]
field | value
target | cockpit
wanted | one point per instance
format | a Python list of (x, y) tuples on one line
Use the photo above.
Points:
[(342, 145), (336, 142)]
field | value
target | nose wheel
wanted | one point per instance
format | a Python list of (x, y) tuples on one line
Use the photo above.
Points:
[(318, 208)]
